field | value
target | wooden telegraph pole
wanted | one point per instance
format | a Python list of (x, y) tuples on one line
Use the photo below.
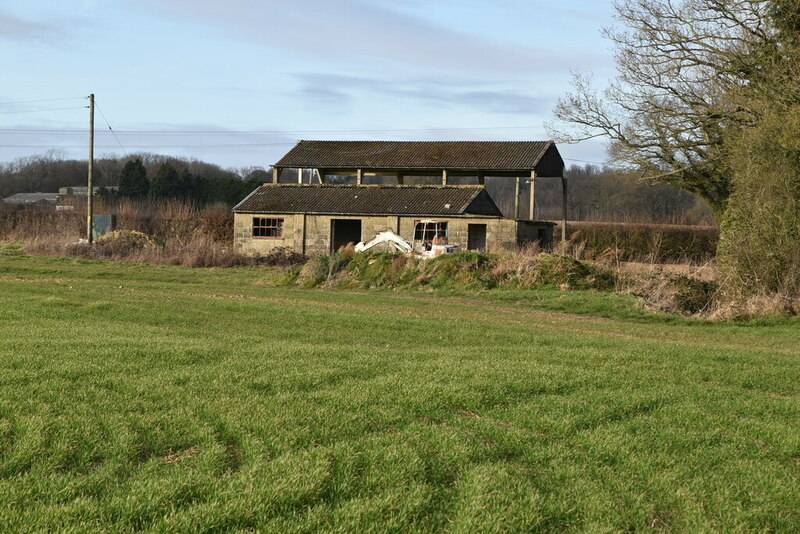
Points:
[(90, 191), (563, 209)]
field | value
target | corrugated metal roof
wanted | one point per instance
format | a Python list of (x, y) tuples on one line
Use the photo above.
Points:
[(369, 200), (31, 198), (455, 155)]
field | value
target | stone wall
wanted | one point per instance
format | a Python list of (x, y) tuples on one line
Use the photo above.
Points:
[(244, 241), (501, 234), (318, 230)]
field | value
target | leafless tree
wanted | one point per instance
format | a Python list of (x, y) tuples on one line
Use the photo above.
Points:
[(679, 63)]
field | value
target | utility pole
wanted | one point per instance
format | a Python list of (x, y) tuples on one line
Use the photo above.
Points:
[(563, 209), (90, 189)]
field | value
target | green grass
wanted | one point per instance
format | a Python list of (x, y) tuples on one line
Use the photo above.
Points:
[(137, 397)]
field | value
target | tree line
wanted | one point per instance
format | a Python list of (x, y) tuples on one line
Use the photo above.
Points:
[(610, 194), (171, 182), (141, 176), (595, 193)]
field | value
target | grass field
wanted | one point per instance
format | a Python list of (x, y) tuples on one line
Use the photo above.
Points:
[(157, 398)]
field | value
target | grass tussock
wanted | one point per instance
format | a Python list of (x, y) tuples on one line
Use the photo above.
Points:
[(525, 269)]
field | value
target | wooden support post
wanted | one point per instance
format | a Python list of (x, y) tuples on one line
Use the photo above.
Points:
[(359, 177), (276, 171), (481, 179), (300, 175), (444, 177), (303, 235), (399, 178), (563, 209), (532, 200), (320, 176), (516, 199)]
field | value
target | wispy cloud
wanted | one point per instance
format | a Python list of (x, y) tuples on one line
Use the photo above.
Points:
[(16, 29), (341, 90), (358, 30)]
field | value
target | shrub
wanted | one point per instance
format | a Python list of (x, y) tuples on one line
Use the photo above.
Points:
[(381, 269), (692, 295), (32, 223), (657, 243), (568, 273), (760, 248), (463, 269), (525, 270), (218, 225), (125, 240), (322, 269), (686, 295), (281, 257)]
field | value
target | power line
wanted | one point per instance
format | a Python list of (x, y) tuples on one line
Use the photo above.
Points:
[(232, 145), (272, 132), (110, 129), (39, 110), (217, 145), (231, 133), (227, 145), (584, 161), (44, 100)]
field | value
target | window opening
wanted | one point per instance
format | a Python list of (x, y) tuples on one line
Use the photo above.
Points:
[(267, 227), (430, 233)]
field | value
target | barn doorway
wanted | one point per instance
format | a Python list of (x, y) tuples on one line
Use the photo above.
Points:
[(344, 231), (476, 237)]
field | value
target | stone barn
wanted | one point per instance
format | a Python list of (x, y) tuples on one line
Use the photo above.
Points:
[(326, 194)]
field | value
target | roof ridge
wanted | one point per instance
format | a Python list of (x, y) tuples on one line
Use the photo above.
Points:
[(477, 156), (427, 142)]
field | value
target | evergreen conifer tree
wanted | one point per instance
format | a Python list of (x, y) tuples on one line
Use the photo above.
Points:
[(133, 181), (166, 184)]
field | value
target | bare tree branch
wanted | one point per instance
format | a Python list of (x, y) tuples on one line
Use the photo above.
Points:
[(679, 63)]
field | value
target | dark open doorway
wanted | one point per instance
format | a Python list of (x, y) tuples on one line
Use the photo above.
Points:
[(476, 237), (344, 231)]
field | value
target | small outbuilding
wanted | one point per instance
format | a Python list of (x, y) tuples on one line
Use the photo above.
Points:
[(32, 199), (427, 192)]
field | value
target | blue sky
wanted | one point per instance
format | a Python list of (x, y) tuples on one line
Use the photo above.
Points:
[(238, 82)]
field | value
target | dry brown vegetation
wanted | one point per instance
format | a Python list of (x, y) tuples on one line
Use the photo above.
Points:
[(643, 242), (669, 268), (170, 233)]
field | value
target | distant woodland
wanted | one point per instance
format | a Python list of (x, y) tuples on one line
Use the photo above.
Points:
[(606, 194), (594, 193), (147, 175)]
